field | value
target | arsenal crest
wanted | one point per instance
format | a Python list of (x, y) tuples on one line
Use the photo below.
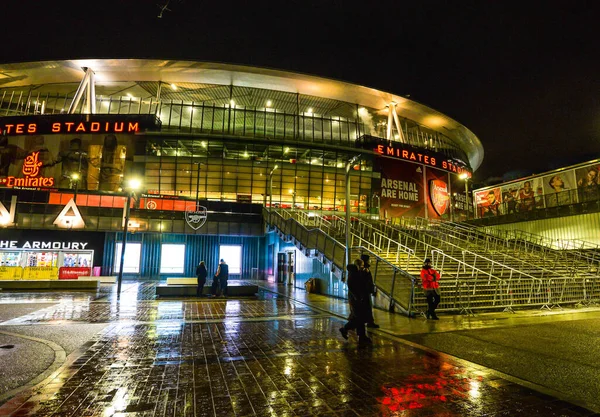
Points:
[(439, 197), (196, 219)]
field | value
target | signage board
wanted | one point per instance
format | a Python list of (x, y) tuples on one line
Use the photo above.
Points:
[(78, 124), (73, 272), (31, 175), (405, 152)]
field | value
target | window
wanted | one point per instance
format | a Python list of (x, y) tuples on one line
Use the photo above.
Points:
[(232, 255), (172, 259), (132, 257)]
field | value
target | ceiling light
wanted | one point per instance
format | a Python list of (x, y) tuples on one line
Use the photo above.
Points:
[(269, 103), (173, 87)]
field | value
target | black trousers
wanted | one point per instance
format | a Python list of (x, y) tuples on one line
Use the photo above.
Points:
[(201, 282), (433, 299), (358, 325), (223, 282)]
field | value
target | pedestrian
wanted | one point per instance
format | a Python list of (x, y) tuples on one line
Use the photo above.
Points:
[(430, 279), (358, 296), (222, 276), (371, 288), (201, 273)]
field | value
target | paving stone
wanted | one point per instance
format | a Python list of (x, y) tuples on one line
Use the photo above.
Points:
[(269, 356)]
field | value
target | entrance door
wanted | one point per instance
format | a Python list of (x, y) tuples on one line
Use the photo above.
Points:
[(291, 268), (281, 267)]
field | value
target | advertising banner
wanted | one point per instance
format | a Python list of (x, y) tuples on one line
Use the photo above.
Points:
[(11, 272), (92, 161), (73, 272), (400, 189), (588, 183), (40, 272), (488, 202), (560, 188), (438, 194), (522, 196)]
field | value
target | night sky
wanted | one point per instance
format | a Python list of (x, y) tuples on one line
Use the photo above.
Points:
[(523, 76)]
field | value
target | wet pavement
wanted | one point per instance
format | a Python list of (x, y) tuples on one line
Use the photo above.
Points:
[(266, 356)]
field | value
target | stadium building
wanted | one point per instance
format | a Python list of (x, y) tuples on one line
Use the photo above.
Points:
[(209, 146)]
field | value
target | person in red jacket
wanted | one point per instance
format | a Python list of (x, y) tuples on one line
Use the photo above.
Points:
[(431, 285)]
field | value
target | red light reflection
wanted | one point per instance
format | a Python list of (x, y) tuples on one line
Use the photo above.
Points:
[(426, 390)]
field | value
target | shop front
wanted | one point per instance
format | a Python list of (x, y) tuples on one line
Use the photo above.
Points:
[(47, 254)]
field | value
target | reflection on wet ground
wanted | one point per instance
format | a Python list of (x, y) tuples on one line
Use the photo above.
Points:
[(159, 358)]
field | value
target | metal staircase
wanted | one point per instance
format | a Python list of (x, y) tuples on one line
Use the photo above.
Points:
[(480, 271), (321, 238)]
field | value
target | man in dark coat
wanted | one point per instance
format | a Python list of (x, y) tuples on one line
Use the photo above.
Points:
[(201, 273), (358, 296), (371, 288), (222, 276)]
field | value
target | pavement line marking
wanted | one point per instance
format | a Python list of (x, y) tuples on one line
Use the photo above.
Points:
[(59, 358)]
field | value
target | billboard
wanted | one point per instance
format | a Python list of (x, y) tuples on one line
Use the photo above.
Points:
[(488, 202), (90, 162), (561, 187), (588, 182), (400, 189)]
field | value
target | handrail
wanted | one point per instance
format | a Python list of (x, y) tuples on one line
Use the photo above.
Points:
[(286, 222), (494, 264), (411, 278), (547, 257)]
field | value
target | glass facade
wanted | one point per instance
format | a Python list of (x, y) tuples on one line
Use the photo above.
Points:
[(213, 169), (195, 108)]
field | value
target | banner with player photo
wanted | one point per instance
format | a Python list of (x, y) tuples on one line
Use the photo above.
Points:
[(92, 161), (438, 194), (560, 188), (400, 189), (522, 196), (488, 202), (588, 183)]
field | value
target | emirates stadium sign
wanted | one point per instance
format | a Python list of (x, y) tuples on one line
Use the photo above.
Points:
[(77, 123)]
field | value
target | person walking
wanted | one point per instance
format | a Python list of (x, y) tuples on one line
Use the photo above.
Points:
[(358, 296), (222, 276), (201, 273), (371, 288), (430, 279)]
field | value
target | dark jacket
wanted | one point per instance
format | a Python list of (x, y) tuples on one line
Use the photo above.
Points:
[(201, 272), (223, 271), (359, 291)]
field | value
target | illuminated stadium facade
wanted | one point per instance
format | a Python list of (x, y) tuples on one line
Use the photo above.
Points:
[(222, 136)]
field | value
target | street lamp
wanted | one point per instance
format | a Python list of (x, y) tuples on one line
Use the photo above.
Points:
[(349, 167), (465, 177), (130, 188), (75, 179), (271, 188)]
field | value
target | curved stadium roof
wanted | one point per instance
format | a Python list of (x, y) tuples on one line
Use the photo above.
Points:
[(149, 70)]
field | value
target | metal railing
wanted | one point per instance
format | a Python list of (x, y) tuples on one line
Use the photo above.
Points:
[(392, 281), (557, 289)]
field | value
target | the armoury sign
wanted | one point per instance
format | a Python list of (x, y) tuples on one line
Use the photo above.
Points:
[(439, 196), (31, 175), (196, 218), (34, 244), (77, 123)]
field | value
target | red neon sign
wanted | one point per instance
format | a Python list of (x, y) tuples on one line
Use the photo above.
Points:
[(31, 172)]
